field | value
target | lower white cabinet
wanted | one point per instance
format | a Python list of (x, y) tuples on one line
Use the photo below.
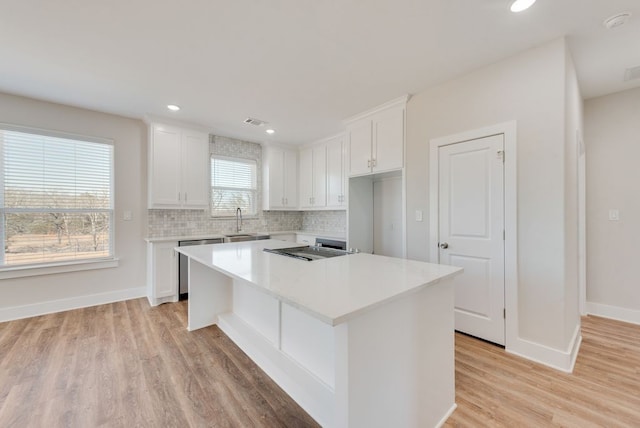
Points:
[(162, 272)]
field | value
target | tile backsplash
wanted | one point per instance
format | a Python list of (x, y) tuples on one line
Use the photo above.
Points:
[(324, 221), (164, 223)]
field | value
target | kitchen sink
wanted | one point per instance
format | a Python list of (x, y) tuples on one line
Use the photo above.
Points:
[(240, 237)]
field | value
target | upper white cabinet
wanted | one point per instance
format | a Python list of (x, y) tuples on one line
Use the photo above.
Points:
[(313, 177), (336, 173), (178, 166), (376, 139), (280, 172)]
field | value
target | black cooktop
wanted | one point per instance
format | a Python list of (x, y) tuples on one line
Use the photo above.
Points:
[(308, 253)]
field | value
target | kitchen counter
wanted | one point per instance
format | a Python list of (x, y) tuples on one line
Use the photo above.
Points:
[(357, 340), (332, 290)]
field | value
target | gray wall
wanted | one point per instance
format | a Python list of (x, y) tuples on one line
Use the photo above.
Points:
[(612, 139), (530, 89), (129, 138)]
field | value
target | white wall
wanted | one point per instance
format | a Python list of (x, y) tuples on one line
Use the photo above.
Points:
[(387, 216), (573, 131), (530, 89), (43, 293), (612, 139)]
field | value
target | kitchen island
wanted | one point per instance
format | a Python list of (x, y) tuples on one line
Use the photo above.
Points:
[(357, 340)]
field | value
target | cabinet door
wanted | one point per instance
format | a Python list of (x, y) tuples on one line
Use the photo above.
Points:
[(290, 181), (195, 167), (275, 178), (306, 178), (388, 151), (360, 137), (165, 262), (164, 167), (335, 173), (320, 176)]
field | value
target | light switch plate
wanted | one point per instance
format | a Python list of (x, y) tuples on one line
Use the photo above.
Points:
[(614, 215), (418, 215), (127, 216)]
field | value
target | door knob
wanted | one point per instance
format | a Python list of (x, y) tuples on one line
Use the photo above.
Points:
[(444, 245)]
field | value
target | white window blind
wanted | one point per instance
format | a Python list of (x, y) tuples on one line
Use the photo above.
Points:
[(56, 198), (234, 185)]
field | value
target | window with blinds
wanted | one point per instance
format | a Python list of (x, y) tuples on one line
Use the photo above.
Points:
[(56, 198), (234, 185)]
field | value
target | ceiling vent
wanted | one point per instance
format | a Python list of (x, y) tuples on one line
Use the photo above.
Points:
[(632, 73), (254, 122), (616, 21)]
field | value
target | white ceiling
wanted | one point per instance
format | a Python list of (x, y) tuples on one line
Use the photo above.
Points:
[(302, 65)]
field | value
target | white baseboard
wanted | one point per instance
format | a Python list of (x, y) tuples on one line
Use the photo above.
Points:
[(447, 415), (554, 358), (614, 312), (43, 308)]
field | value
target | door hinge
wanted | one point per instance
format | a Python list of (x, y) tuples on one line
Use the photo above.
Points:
[(501, 155), (504, 313)]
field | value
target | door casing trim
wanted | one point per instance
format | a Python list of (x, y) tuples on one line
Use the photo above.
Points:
[(508, 129)]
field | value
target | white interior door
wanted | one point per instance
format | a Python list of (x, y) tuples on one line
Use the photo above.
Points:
[(471, 232)]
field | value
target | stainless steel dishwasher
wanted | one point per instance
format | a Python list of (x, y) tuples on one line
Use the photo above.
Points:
[(183, 265)]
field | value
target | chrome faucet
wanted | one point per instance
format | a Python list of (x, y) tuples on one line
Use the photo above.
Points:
[(238, 220)]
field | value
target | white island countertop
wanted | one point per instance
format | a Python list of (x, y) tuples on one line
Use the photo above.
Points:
[(332, 290)]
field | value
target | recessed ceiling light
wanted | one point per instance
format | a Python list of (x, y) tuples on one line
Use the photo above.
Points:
[(520, 5), (173, 107), (270, 131)]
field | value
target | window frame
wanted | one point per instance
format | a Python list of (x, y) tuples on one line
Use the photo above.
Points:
[(254, 190), (60, 266)]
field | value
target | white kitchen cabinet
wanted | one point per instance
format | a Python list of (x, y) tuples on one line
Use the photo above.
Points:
[(376, 140), (178, 168), (336, 176), (280, 171), (162, 272), (313, 177)]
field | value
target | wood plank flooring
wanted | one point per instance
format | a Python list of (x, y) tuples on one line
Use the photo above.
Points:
[(126, 364), (129, 365), (496, 389)]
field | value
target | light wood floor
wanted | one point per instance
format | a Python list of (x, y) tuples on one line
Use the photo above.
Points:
[(129, 365), (496, 389), (126, 364)]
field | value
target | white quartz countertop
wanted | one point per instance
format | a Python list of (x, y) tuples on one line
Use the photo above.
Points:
[(333, 290)]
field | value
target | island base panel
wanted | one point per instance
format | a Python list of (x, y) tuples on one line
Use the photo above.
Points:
[(315, 397), (395, 364), (210, 294)]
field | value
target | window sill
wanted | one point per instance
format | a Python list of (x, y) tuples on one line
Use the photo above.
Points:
[(53, 268)]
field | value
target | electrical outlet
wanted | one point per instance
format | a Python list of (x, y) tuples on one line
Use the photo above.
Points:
[(127, 216), (614, 215)]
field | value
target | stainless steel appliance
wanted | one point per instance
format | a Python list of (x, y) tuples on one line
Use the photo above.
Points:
[(183, 265), (331, 243), (307, 253)]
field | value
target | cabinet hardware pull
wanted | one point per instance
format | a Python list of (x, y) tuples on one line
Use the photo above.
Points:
[(185, 197), (369, 163), (179, 198), (374, 163)]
